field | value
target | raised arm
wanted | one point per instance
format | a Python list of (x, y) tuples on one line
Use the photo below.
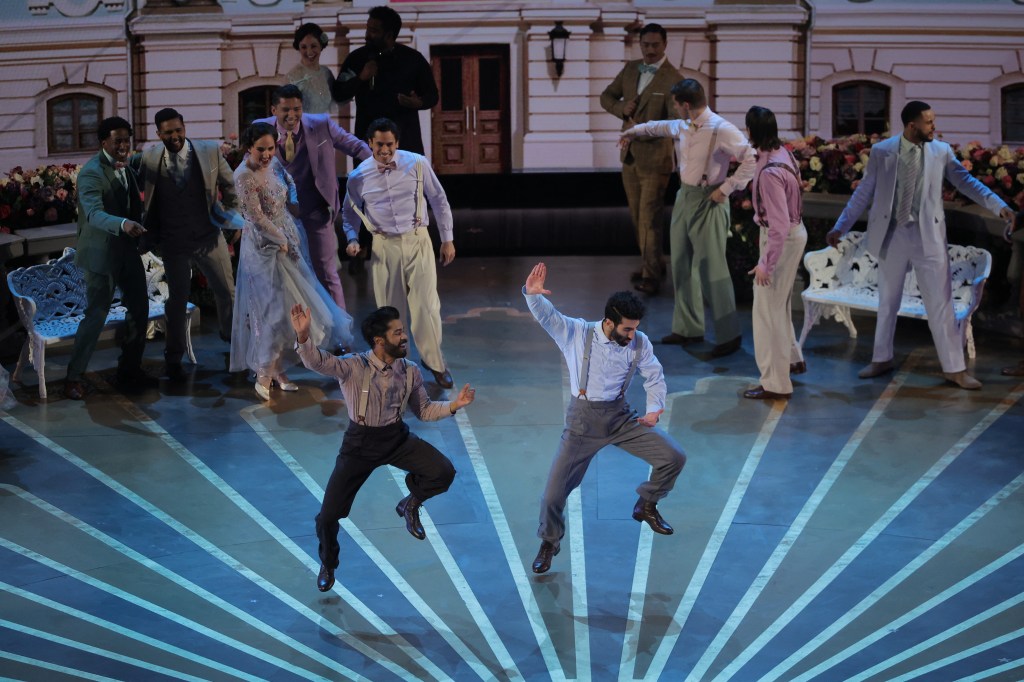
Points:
[(347, 143)]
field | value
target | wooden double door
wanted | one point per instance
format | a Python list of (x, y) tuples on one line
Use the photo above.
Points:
[(470, 129)]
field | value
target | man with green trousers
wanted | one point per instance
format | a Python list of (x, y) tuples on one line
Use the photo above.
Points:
[(109, 215)]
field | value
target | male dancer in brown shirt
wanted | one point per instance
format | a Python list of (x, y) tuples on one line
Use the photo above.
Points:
[(377, 385)]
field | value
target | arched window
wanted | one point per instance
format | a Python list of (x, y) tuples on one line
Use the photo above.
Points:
[(254, 103), (72, 122), (1013, 113), (860, 107)]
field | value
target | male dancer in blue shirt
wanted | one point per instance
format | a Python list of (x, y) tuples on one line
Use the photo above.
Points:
[(602, 358)]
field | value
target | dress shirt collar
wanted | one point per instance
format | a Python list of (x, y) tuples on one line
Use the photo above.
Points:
[(703, 119), (657, 64), (182, 153), (110, 160), (377, 363), (906, 145), (282, 134), (603, 338)]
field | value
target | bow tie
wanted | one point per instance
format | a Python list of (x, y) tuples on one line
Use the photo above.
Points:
[(120, 165), (648, 68), (385, 167)]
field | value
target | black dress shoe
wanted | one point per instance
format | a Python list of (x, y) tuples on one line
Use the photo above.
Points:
[(409, 508), (74, 390), (133, 380), (325, 579), (680, 340), (760, 393), (645, 510), (443, 379), (543, 561), (176, 373), (727, 348), (648, 286), (635, 276), (797, 367)]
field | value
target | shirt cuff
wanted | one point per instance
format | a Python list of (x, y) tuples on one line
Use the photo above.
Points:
[(123, 221)]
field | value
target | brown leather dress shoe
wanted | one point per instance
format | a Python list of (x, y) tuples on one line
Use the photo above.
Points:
[(74, 390), (674, 339), (325, 579), (442, 379), (727, 348), (797, 367), (648, 286), (1014, 371), (409, 508), (876, 369), (543, 561), (963, 380), (760, 394), (645, 510)]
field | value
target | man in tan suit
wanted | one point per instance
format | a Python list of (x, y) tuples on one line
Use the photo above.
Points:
[(640, 93)]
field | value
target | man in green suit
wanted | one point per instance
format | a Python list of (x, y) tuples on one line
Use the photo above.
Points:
[(109, 215)]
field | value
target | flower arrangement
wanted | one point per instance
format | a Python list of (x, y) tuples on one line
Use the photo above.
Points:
[(44, 196), (1001, 170)]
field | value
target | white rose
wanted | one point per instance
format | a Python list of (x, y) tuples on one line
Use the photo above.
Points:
[(858, 166), (36, 180), (1001, 173), (815, 164)]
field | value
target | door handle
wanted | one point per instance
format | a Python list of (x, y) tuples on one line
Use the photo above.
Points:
[(474, 119), (467, 118)]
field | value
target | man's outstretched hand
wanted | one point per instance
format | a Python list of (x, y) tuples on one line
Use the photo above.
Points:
[(535, 280), (300, 322)]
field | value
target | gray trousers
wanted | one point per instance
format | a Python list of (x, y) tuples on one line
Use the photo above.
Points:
[(589, 426), (214, 262)]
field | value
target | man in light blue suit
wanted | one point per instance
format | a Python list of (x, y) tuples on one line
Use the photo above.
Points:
[(902, 185)]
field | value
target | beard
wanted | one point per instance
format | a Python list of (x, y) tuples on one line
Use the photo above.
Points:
[(399, 350), (618, 338)]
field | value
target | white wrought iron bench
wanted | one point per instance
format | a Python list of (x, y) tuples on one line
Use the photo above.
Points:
[(846, 278), (50, 299)]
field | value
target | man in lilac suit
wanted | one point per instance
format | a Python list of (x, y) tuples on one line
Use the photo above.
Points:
[(902, 189), (306, 144)]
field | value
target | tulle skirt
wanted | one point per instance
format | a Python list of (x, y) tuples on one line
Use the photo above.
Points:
[(269, 283)]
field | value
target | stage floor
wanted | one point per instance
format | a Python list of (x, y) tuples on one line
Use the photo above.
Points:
[(864, 530)]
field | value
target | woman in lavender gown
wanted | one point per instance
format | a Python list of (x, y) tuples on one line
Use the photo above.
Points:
[(272, 274)]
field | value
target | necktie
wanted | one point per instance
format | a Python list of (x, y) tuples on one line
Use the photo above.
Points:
[(385, 167), (648, 68), (120, 175), (908, 185), (177, 173), (289, 148)]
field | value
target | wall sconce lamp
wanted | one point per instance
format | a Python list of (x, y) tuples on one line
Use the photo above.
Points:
[(559, 40)]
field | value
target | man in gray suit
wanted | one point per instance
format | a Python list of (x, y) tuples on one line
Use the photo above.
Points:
[(107, 252), (181, 179), (902, 185)]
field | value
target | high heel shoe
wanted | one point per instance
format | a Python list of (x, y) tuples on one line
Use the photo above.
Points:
[(284, 384), (262, 391)]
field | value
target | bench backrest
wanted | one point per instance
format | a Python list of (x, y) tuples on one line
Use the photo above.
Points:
[(850, 265), (57, 288)]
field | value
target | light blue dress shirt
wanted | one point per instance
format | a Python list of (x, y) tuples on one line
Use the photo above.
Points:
[(609, 362)]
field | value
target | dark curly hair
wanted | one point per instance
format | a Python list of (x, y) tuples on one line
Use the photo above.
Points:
[(376, 323), (310, 29), (624, 305)]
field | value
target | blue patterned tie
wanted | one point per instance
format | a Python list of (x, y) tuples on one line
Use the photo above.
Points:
[(648, 68)]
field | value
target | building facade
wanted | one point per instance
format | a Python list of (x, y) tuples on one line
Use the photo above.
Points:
[(826, 67)]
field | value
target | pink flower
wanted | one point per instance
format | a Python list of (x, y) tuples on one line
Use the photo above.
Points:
[(1007, 181), (988, 180), (967, 164), (746, 205), (30, 212), (62, 194)]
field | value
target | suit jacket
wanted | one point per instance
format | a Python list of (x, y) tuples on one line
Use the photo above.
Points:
[(103, 203), (650, 154), (878, 188), (216, 172), (322, 136)]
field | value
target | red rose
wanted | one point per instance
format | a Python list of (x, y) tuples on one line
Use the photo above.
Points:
[(1007, 181)]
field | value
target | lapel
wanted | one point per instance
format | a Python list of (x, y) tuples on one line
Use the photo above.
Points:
[(312, 146), (656, 85), (203, 159)]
